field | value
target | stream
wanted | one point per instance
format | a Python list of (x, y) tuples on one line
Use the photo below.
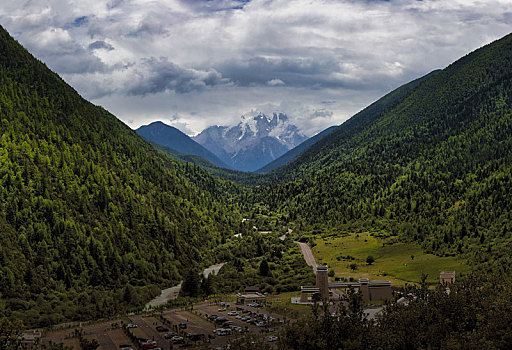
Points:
[(173, 292)]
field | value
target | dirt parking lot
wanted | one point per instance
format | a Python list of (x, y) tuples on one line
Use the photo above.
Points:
[(193, 321)]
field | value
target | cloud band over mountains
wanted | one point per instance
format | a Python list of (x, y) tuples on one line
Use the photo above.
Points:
[(210, 61)]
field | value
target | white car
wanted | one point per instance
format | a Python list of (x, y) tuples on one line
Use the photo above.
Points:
[(222, 309), (236, 328), (222, 331), (232, 313), (271, 338)]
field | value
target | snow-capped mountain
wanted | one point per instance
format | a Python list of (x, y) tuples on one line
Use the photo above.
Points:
[(254, 142)]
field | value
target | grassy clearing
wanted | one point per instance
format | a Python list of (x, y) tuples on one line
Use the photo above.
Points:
[(281, 304), (392, 262)]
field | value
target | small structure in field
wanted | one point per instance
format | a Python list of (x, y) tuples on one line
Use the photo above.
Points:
[(446, 277), (30, 338), (247, 298)]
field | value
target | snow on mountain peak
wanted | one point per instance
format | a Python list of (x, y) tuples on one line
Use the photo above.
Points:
[(256, 140)]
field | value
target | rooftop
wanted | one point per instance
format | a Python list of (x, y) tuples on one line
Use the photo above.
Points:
[(250, 295)]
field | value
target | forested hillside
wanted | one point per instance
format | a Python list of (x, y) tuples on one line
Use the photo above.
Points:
[(294, 152), (434, 166), (92, 218)]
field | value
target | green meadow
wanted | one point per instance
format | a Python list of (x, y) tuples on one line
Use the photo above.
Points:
[(398, 262)]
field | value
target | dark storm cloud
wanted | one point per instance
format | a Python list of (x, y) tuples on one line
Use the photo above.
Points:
[(148, 27), (100, 44), (216, 59), (295, 72), (62, 54), (158, 75)]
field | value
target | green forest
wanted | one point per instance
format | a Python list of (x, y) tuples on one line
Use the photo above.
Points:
[(94, 220), (430, 164)]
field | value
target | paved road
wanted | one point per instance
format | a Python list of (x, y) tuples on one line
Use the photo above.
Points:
[(308, 255)]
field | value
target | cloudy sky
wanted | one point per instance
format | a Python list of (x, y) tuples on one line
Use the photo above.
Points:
[(195, 63)]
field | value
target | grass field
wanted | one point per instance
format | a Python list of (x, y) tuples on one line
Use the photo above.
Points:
[(392, 262), (281, 304)]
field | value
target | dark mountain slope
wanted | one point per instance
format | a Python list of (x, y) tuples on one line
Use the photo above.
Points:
[(434, 167), (354, 125), (168, 136), (294, 152), (244, 178), (92, 218)]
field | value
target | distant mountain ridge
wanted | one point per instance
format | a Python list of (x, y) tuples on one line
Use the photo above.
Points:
[(254, 142), (169, 136), (294, 152)]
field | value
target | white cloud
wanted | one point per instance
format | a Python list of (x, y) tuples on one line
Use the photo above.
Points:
[(320, 61), (275, 82)]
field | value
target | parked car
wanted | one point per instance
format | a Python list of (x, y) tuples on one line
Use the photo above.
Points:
[(149, 344), (221, 320), (195, 337), (170, 335), (212, 317), (221, 309), (236, 328), (271, 338), (178, 340), (131, 325), (232, 313), (222, 331), (183, 326), (260, 324), (162, 329)]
